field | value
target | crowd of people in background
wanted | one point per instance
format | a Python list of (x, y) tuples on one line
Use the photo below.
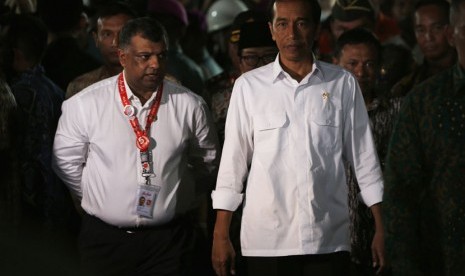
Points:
[(400, 65)]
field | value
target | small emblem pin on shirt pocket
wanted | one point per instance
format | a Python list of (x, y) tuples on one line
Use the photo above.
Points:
[(325, 95)]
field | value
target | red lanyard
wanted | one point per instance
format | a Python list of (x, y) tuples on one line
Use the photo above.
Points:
[(142, 139)]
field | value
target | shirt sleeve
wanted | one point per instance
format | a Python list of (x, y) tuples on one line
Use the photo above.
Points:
[(359, 147), (204, 149), (71, 145), (237, 152)]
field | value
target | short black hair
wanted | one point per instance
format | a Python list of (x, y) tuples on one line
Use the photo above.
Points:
[(314, 7), (443, 5), (147, 27), (358, 36), (29, 34), (115, 8)]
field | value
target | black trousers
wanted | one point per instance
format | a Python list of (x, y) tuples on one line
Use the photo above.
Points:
[(163, 250), (334, 264)]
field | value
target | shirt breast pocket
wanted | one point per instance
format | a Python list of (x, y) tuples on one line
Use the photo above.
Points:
[(326, 128), (270, 132)]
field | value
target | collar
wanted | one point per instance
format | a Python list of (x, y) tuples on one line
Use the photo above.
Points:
[(278, 71), (131, 95), (36, 70)]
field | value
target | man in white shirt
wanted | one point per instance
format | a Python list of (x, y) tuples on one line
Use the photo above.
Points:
[(130, 136), (289, 127)]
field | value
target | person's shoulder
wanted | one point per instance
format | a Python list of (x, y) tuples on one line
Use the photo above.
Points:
[(431, 90), (333, 72), (402, 86), (330, 68), (177, 90), (98, 91), (434, 82), (88, 78), (82, 81), (173, 86), (262, 72), (33, 87)]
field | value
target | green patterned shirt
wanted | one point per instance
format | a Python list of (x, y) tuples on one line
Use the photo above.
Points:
[(424, 198)]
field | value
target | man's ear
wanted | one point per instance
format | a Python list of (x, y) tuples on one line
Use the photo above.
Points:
[(122, 57), (317, 32), (95, 37), (450, 35), (270, 25), (335, 60)]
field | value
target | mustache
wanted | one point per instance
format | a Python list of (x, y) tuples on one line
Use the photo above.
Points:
[(154, 73)]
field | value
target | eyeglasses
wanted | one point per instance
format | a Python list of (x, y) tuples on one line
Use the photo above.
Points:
[(253, 60)]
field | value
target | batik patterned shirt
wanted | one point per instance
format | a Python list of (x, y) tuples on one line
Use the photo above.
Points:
[(382, 115), (39, 108), (424, 200)]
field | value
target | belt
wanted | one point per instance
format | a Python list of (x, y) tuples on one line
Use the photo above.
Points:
[(184, 218)]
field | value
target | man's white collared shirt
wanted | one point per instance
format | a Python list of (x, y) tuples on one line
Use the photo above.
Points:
[(95, 152), (287, 140)]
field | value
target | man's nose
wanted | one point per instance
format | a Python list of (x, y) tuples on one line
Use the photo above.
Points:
[(360, 70), (292, 30), (154, 62), (114, 41)]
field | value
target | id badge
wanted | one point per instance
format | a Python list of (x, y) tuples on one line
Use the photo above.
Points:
[(146, 197)]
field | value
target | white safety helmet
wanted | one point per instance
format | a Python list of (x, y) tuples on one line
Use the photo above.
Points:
[(222, 13)]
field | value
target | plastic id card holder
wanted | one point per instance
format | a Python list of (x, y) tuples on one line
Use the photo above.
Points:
[(146, 197)]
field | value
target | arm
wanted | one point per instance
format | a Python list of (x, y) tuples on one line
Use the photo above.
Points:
[(204, 148), (377, 246), (359, 147), (237, 152), (361, 152), (204, 157), (70, 148), (223, 254)]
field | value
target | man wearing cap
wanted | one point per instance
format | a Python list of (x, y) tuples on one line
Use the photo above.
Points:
[(255, 37), (221, 16), (345, 15)]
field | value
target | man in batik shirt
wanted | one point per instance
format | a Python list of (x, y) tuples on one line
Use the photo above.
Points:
[(358, 51), (424, 200)]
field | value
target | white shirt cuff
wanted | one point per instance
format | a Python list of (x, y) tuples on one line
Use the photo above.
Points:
[(372, 195), (226, 199)]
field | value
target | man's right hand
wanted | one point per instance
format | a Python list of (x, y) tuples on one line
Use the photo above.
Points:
[(223, 257)]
